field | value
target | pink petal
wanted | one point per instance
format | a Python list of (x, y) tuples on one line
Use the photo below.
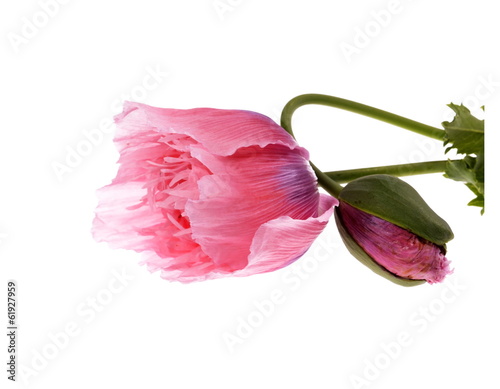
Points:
[(281, 241), (249, 188), (220, 131), (117, 224), (143, 208)]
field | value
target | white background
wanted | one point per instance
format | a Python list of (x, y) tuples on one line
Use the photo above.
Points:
[(68, 73)]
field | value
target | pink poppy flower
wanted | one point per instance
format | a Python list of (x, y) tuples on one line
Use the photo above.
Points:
[(207, 193)]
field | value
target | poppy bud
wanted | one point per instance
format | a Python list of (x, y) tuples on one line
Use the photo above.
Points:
[(388, 227)]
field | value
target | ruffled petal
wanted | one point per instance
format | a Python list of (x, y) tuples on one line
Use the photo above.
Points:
[(116, 223), (281, 241), (202, 192), (220, 131), (250, 188), (143, 208)]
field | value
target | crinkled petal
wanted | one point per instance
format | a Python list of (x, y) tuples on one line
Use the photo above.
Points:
[(281, 241), (220, 131), (143, 208), (117, 223), (202, 192), (252, 187)]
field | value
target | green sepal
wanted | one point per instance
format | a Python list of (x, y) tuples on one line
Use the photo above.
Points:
[(395, 201), (358, 253)]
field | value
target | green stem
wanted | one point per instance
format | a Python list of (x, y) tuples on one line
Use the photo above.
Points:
[(324, 181), (375, 113), (409, 169), (327, 183)]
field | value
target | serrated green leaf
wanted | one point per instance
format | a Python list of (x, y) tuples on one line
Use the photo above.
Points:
[(479, 167), (465, 171), (460, 171), (477, 202), (465, 133), (477, 189)]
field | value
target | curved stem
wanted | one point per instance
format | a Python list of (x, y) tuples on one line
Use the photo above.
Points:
[(409, 169), (324, 181), (366, 110)]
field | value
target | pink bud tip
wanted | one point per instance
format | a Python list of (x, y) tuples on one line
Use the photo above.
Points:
[(397, 250)]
